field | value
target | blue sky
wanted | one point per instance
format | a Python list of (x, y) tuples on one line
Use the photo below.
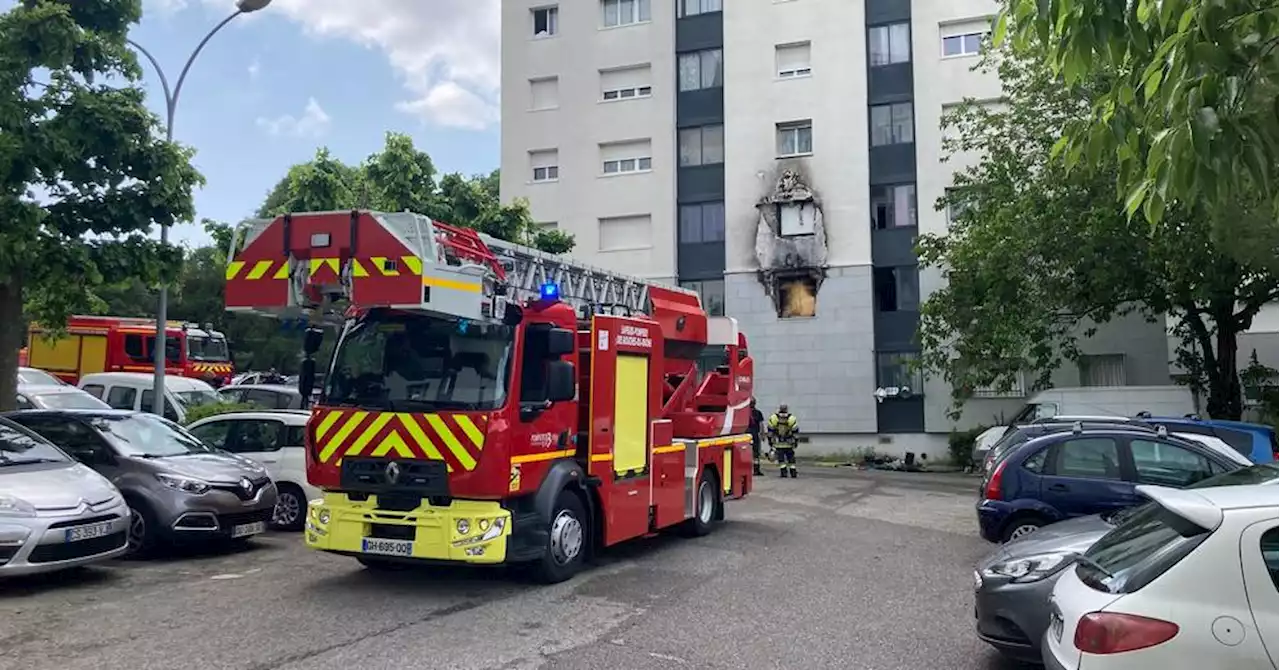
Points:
[(273, 86)]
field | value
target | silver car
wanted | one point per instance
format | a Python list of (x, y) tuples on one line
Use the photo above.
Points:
[(54, 512), (35, 396)]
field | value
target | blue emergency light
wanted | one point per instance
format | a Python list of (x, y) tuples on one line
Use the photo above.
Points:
[(550, 291)]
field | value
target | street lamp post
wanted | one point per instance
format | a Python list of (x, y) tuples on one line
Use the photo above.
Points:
[(160, 357)]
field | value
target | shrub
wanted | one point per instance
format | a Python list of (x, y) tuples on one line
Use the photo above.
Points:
[(199, 412), (960, 444)]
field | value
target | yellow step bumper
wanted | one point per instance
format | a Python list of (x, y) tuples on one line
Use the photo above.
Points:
[(468, 531)]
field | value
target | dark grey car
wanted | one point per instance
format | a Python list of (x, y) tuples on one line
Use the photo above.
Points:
[(266, 396), (1013, 584), (177, 488)]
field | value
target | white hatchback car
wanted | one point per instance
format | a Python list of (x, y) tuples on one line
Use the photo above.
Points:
[(273, 438), (1188, 581)]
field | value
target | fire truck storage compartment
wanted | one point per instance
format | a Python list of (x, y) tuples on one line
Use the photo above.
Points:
[(75, 354), (631, 415)]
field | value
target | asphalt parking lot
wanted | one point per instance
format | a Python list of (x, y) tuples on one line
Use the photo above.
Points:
[(837, 569)]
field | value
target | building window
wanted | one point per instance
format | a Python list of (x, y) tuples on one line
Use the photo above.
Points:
[(701, 69), (702, 222), (546, 21), (627, 93), (626, 233), (544, 93), (797, 296), (899, 369), (624, 12), (793, 60), (711, 292), (795, 139), (1017, 389), (626, 83), (702, 146), (967, 44), (893, 206), (624, 157), (897, 289), (889, 44), (694, 7), (891, 124), (545, 164), (957, 204), (1102, 370), (628, 165)]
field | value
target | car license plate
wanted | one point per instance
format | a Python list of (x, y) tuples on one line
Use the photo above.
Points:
[(377, 545), (1055, 626), (247, 529), (88, 531)]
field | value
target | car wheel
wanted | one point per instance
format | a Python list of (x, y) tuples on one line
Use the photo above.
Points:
[(567, 541), (1020, 526), (291, 508), (143, 531), (703, 522)]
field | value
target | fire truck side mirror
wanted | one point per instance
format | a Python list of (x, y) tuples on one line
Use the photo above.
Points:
[(560, 341), (311, 340), (561, 385)]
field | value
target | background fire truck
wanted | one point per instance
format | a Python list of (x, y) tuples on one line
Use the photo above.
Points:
[(489, 403), (118, 344)]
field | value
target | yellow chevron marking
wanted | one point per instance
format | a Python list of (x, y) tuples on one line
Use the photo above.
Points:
[(233, 269), (393, 442), (469, 287), (438, 425), (419, 436), (368, 434), (283, 272), (357, 269), (468, 427), (380, 264), (413, 264), (260, 268), (341, 436), (326, 423)]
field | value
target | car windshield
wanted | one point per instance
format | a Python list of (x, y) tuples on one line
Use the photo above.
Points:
[(37, 378), (198, 397), (204, 348), (1254, 474), (69, 400), (394, 359), (1143, 546), (1007, 443), (147, 435), (18, 447)]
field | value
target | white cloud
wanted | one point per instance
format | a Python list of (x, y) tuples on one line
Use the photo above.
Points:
[(446, 51), (314, 122)]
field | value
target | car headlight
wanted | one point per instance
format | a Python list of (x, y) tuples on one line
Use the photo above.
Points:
[(14, 506), (1031, 568), (184, 484)]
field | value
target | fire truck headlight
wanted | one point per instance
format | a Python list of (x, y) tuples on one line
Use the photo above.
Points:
[(495, 530), (323, 515), (464, 526), (484, 525)]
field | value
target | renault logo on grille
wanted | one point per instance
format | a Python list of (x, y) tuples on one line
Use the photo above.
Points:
[(393, 472), (246, 484)]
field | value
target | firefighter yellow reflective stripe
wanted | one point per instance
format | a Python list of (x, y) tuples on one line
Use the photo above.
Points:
[(393, 443), (357, 268), (473, 433), (341, 436), (233, 269), (669, 449), (331, 263), (260, 268), (368, 434), (380, 264), (413, 264), (420, 436), (544, 456), (459, 452), (326, 424), (283, 272), (469, 287)]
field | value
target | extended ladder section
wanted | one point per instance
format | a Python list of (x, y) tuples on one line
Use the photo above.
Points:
[(308, 264)]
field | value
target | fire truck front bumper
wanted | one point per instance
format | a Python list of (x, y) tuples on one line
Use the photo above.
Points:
[(467, 531)]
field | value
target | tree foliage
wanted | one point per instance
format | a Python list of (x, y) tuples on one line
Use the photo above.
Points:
[(83, 169), (1191, 114), (1038, 255), (402, 178)]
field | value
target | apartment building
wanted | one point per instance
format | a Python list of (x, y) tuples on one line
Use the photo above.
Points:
[(779, 157)]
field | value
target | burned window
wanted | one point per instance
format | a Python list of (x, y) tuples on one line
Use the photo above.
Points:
[(797, 296), (897, 289)]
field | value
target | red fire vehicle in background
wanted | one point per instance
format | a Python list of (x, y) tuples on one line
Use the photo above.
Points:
[(489, 403), (120, 344)]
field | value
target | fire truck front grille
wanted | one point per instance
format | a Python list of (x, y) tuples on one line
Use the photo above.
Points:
[(417, 478)]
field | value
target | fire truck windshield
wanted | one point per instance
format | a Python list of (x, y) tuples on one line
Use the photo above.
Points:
[(205, 348), (404, 362)]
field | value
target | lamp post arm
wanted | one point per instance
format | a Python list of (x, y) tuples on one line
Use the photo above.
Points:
[(164, 83), (182, 76)]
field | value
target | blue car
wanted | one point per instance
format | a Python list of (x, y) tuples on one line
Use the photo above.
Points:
[(1255, 441), (1080, 472)]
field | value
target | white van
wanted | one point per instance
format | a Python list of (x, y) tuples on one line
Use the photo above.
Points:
[(135, 390)]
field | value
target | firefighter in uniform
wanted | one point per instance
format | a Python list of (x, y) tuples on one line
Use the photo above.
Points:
[(756, 426), (783, 431)]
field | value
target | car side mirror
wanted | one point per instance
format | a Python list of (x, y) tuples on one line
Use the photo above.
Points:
[(561, 384)]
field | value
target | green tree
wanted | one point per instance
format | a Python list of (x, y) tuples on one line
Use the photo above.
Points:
[(1037, 254), (83, 171), (1191, 114)]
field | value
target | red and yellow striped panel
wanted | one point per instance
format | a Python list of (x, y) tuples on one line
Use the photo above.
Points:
[(456, 439), (215, 368)]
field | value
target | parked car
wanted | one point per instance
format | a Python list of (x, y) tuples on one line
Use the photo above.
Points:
[(135, 390), (176, 487), (266, 396), (54, 512), (1255, 441), (1019, 434), (1081, 472), (274, 439), (1186, 583), (38, 377), (56, 397), (1012, 585)]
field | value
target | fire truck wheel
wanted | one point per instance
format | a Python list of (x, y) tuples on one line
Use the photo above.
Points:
[(703, 521), (567, 540)]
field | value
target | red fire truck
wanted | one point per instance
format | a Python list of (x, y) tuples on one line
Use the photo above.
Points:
[(488, 403), (121, 344)]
